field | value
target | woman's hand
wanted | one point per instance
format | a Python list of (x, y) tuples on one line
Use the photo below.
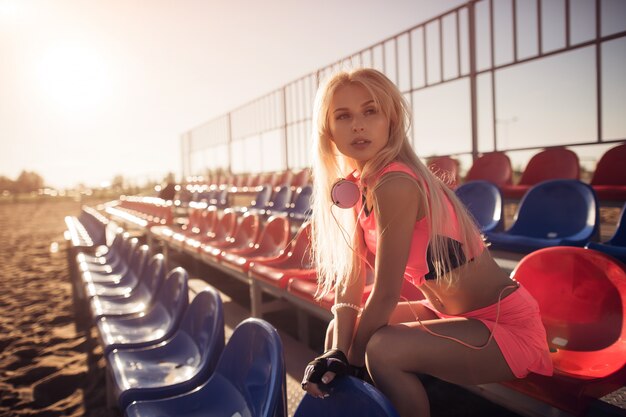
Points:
[(322, 370)]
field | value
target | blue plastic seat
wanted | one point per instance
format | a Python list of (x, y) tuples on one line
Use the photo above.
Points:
[(110, 272), (156, 324), (262, 198), (484, 201), (104, 254), (280, 201), (249, 380), (126, 283), (300, 209), (349, 397), (176, 366), (552, 213), (616, 245), (139, 299)]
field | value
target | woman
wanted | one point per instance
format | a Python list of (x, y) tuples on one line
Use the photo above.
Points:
[(475, 326)]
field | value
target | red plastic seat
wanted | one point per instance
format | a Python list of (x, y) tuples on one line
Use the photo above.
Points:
[(494, 167), (301, 178), (194, 227), (243, 239), (549, 164), (207, 222), (609, 177), (295, 261), (582, 298), (446, 169), (223, 228), (273, 239)]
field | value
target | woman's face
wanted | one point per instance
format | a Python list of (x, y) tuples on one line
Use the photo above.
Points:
[(357, 126)]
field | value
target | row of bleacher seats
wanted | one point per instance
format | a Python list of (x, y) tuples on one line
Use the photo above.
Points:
[(256, 258), (582, 293), (608, 180), (165, 349), (261, 252)]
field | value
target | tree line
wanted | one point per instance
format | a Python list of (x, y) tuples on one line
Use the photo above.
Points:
[(26, 182)]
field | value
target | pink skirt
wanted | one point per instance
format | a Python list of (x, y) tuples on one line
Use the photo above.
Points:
[(520, 334)]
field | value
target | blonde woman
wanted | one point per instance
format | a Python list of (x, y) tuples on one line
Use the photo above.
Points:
[(475, 326)]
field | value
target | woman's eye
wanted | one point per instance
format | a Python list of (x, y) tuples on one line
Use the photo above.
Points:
[(370, 111), (343, 116)]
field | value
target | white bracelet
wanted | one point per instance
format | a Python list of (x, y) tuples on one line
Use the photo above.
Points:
[(337, 306)]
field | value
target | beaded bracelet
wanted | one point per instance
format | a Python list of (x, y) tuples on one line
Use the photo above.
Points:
[(337, 306)]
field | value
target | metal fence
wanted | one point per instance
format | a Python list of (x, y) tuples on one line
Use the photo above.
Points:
[(489, 75)]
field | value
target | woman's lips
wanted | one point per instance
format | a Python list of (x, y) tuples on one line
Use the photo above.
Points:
[(360, 143)]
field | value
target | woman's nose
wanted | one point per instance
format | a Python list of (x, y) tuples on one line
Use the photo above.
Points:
[(357, 125)]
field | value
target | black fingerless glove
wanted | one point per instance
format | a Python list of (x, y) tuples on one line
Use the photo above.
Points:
[(333, 360)]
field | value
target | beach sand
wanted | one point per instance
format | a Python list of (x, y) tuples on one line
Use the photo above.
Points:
[(47, 368)]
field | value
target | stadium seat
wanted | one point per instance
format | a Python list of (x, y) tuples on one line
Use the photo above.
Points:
[(446, 169), (494, 167), (616, 245), (582, 298), (349, 397), (549, 164), (300, 209), (156, 324), (279, 202), (484, 201), (139, 299), (301, 178), (104, 254), (272, 239), (296, 261), (222, 229), (609, 177), (128, 281), (249, 380), (552, 213), (261, 199), (243, 239), (177, 365), (111, 274)]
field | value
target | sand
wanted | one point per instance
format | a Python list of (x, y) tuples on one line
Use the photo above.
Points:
[(47, 367)]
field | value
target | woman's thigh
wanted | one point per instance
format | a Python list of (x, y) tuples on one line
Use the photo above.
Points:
[(406, 312), (408, 347)]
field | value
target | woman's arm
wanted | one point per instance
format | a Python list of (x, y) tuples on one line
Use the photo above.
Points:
[(345, 318), (396, 204)]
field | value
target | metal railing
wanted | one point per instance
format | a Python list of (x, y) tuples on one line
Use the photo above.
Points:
[(480, 62)]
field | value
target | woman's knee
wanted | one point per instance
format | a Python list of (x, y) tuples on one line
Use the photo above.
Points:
[(378, 349)]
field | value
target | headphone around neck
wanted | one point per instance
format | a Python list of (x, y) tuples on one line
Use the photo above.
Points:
[(345, 192)]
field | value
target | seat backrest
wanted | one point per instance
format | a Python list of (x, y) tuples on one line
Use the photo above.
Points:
[(274, 235), (173, 296), (154, 274), (446, 169), (131, 250), (281, 199), (301, 178), (556, 209), (204, 324), (262, 197), (253, 362), (494, 167), (350, 397), (552, 163), (484, 201), (610, 168), (300, 251), (582, 298), (247, 231), (302, 203), (138, 265), (225, 226), (619, 237)]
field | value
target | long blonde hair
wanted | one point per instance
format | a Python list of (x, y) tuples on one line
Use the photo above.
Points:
[(337, 247)]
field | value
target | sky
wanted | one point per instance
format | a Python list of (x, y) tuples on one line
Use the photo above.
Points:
[(91, 89)]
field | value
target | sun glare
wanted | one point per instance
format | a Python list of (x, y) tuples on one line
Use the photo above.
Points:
[(74, 77)]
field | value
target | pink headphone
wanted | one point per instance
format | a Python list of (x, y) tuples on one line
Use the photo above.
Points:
[(345, 192)]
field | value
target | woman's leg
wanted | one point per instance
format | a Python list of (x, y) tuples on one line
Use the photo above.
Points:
[(403, 313), (397, 352)]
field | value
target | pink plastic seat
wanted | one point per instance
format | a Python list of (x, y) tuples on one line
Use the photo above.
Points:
[(223, 228), (582, 298), (549, 164), (446, 169), (609, 177), (273, 238), (494, 167), (206, 224)]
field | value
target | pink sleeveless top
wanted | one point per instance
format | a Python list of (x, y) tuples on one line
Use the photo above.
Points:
[(417, 265)]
